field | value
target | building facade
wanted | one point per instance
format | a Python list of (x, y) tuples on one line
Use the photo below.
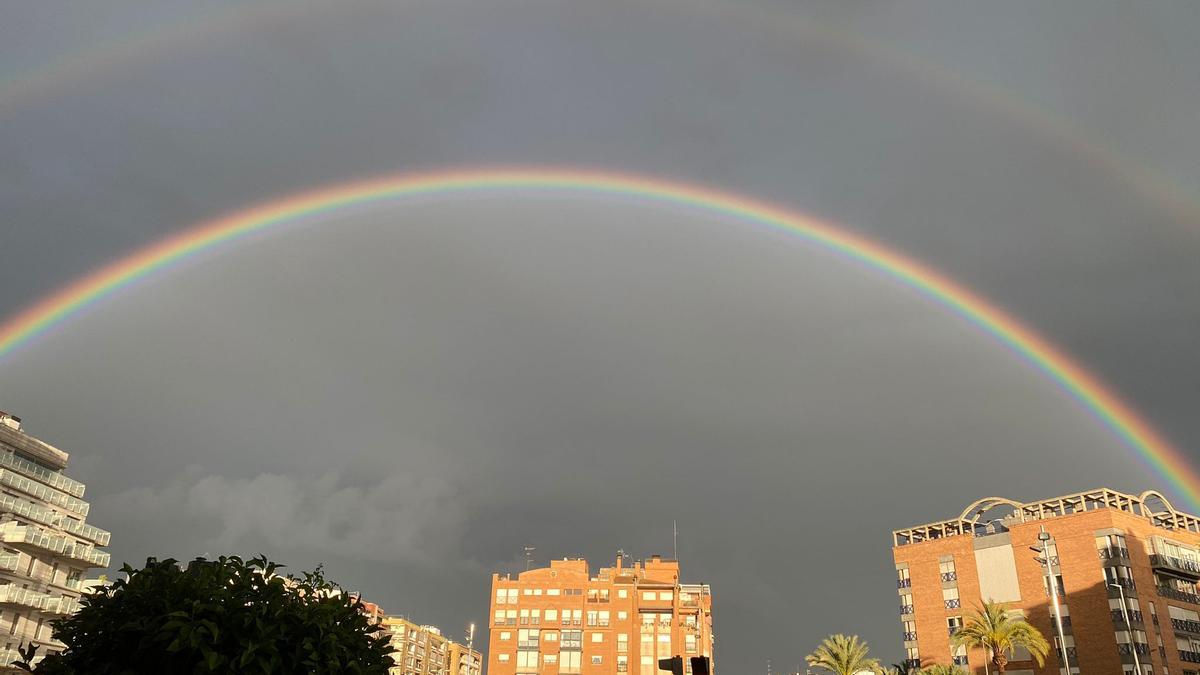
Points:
[(1125, 568), (561, 619), (423, 650), (48, 546)]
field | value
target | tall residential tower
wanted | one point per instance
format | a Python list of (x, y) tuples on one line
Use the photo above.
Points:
[(48, 546), (560, 619)]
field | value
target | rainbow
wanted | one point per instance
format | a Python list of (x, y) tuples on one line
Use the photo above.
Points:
[(1164, 460)]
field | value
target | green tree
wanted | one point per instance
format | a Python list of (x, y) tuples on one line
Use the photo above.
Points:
[(217, 616), (842, 655), (993, 628)]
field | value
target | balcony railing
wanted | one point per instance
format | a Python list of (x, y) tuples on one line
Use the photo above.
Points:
[(949, 576), (9, 561), (1113, 553), (1135, 616), (12, 595), (910, 636), (1178, 566), (1186, 625), (1066, 621), (85, 531), (43, 491), (52, 478), (951, 630), (906, 609), (904, 583), (953, 604), (1127, 584), (1176, 594), (1126, 648), (960, 660), (88, 555)]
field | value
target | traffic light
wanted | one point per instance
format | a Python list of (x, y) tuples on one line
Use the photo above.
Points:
[(673, 665), (700, 665)]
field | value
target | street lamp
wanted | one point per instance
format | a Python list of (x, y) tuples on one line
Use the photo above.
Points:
[(1044, 539), (1137, 664)]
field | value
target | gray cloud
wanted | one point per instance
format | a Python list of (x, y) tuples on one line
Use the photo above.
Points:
[(414, 393)]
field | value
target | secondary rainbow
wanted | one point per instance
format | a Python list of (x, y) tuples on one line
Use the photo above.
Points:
[(1086, 388)]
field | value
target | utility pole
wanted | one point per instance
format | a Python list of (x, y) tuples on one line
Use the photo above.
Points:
[(1137, 664), (1045, 540)]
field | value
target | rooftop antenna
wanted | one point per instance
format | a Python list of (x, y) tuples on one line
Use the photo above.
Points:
[(529, 557), (675, 539), (471, 637)]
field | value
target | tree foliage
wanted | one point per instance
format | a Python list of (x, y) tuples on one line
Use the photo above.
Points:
[(217, 616), (997, 630), (842, 655)]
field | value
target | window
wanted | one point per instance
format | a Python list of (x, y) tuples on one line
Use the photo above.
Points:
[(604, 620), (502, 658), (950, 597), (666, 595), (505, 635), (597, 659), (593, 618), (569, 662), (622, 664), (498, 619), (597, 637), (689, 642), (622, 593), (550, 636), (649, 595), (512, 596), (552, 615), (622, 642), (550, 659), (902, 578), (906, 603), (524, 617), (528, 659), (527, 591), (552, 591), (946, 568)]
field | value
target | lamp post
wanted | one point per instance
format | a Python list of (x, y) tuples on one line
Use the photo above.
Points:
[(1044, 539), (1137, 664)]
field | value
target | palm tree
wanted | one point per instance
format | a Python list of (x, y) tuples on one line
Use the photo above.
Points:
[(994, 629), (907, 667), (842, 655)]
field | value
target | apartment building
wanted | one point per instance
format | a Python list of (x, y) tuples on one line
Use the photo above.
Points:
[(561, 619), (1125, 568), (423, 650), (47, 544)]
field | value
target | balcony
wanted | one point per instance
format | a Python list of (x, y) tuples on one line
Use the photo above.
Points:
[(23, 597), (52, 478), (906, 609), (960, 660), (43, 492), (62, 605), (1175, 594), (1135, 617), (87, 555), (9, 562), (951, 630), (1113, 553), (1189, 657), (1127, 584), (1188, 569), (953, 604), (910, 636), (949, 576), (1186, 625), (904, 583), (84, 531), (1127, 649), (17, 534)]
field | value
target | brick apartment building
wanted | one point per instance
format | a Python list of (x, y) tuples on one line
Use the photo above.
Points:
[(1111, 554), (560, 619)]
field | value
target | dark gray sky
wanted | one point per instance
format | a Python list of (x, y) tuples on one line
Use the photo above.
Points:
[(413, 393)]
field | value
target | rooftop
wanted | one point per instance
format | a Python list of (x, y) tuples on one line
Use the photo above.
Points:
[(1151, 505)]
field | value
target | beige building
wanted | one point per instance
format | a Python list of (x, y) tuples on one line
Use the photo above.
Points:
[(47, 545), (423, 650), (561, 619)]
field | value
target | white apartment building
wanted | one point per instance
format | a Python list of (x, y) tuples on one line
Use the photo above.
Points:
[(46, 544)]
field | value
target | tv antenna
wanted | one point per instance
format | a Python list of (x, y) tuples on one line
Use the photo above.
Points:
[(529, 557)]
